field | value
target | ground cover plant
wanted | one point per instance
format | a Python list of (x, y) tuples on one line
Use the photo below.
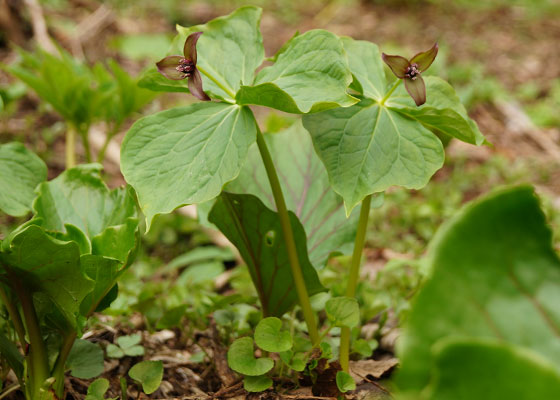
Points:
[(296, 312)]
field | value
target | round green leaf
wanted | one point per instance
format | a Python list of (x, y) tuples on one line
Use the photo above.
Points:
[(345, 382), (256, 383), (186, 155), (368, 148), (269, 335), (114, 351), (85, 360), (343, 311), (241, 358), (20, 173), (310, 74), (149, 374)]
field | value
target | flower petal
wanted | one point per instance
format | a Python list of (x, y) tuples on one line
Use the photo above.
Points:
[(426, 58), (195, 86), (416, 89), (190, 46), (168, 68), (397, 64)]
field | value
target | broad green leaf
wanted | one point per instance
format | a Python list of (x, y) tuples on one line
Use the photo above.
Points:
[(114, 351), (85, 360), (149, 374), (103, 271), (97, 389), (198, 254), (20, 173), (310, 74), (79, 197), (131, 345), (185, 155), (269, 335), (12, 356), (47, 265), (230, 50), (345, 382), (343, 311), (368, 148), (151, 79), (467, 369), (365, 63), (257, 233), (307, 192), (494, 274), (256, 383), (442, 112), (241, 358)]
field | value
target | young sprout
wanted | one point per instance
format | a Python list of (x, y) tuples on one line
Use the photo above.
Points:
[(410, 71), (181, 67)]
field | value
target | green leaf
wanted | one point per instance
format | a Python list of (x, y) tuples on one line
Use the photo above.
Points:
[(343, 311), (442, 112), (368, 148), (486, 369), (85, 360), (79, 197), (230, 50), (241, 358), (114, 351), (149, 374), (365, 63), (310, 74), (151, 79), (96, 390), (47, 265), (269, 335), (256, 383), (345, 382), (257, 233), (10, 353), (130, 345), (20, 172), (494, 263), (103, 272), (185, 155), (295, 361), (306, 190)]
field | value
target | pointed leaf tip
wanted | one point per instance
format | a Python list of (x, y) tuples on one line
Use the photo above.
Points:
[(397, 64), (195, 86), (416, 89), (189, 50), (168, 67), (426, 58)]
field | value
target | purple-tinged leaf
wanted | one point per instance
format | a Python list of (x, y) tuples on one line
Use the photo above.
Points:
[(195, 86), (425, 59), (190, 46), (416, 89), (168, 68), (397, 64)]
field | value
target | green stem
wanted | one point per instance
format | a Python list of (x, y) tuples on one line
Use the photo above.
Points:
[(85, 141), (103, 150), (297, 274), (353, 278), (37, 356), (225, 89), (14, 316), (58, 370), (390, 92), (70, 146)]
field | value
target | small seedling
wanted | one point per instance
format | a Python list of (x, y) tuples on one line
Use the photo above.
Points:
[(126, 346)]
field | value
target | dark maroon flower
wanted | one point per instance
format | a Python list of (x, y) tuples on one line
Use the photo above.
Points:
[(181, 67), (410, 71)]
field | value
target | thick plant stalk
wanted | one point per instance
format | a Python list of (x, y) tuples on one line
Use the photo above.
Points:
[(354, 276), (14, 315), (70, 147), (58, 370), (297, 274)]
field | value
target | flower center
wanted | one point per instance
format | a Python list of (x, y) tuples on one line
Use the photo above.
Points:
[(412, 72), (186, 67)]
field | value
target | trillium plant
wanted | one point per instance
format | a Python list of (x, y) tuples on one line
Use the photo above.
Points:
[(286, 200)]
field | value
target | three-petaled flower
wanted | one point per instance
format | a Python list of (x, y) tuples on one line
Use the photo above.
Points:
[(410, 71), (181, 67)]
